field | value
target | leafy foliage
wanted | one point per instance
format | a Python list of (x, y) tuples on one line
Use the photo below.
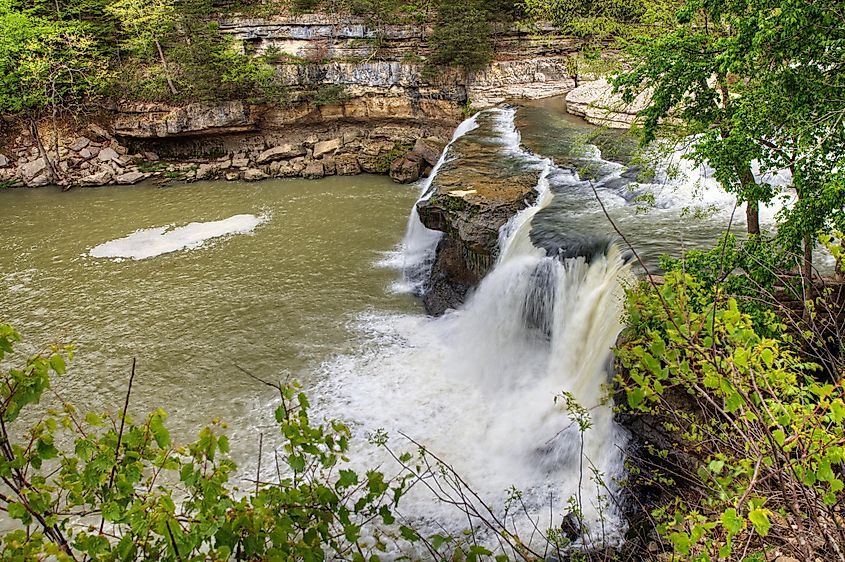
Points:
[(763, 435)]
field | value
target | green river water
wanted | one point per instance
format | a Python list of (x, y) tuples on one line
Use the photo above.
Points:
[(275, 302)]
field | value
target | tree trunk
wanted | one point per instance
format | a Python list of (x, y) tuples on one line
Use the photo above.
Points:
[(166, 69), (51, 169), (752, 217)]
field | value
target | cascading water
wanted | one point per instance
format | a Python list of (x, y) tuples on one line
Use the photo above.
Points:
[(478, 386), (417, 248)]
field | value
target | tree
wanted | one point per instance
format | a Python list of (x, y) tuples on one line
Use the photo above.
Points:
[(462, 36), (46, 68), (147, 22)]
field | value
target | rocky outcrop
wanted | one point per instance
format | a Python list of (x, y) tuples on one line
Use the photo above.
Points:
[(474, 194), (158, 121), (596, 102)]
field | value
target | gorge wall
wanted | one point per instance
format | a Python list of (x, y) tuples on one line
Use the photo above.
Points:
[(358, 100)]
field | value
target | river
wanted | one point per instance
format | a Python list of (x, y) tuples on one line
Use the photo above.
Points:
[(298, 280)]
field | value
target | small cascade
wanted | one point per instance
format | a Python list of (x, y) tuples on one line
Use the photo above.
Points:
[(420, 243)]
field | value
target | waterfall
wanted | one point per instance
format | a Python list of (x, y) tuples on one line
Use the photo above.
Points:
[(478, 386), (420, 243)]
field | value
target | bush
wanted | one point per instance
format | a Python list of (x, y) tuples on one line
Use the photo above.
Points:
[(737, 395)]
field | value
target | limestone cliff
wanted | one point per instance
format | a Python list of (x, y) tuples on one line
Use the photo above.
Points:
[(381, 104)]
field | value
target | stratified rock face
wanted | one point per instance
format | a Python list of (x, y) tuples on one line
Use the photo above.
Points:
[(476, 192), (384, 106), (596, 102), (159, 120)]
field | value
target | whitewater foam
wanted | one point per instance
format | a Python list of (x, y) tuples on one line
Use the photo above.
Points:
[(152, 242)]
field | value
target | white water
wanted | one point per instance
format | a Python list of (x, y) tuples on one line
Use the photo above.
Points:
[(151, 242), (416, 252), (477, 387)]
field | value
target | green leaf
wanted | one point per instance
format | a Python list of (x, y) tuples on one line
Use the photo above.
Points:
[(731, 521), (57, 362), (759, 517), (160, 433), (681, 542), (347, 478), (635, 397)]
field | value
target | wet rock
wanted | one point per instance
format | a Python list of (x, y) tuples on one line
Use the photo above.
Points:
[(107, 154), (408, 168), (470, 203), (39, 181), (347, 165), (283, 152), (313, 171), (129, 178), (325, 147), (430, 149), (571, 527), (254, 174), (79, 144)]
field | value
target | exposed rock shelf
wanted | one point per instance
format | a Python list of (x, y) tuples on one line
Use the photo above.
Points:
[(474, 194)]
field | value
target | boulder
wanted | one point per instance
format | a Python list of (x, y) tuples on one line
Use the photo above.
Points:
[(325, 147), (4, 162), (79, 144), (313, 171), (38, 181), (32, 169), (283, 152), (232, 176), (102, 177), (99, 132), (430, 149), (329, 166), (347, 165), (408, 168), (151, 156), (86, 153), (206, 171), (240, 162), (107, 154), (129, 178), (254, 174)]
